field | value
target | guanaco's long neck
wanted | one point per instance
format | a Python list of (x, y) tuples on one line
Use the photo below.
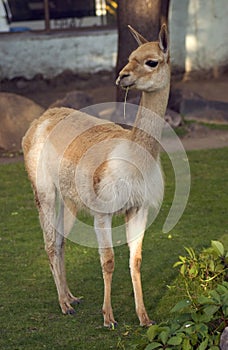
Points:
[(149, 120)]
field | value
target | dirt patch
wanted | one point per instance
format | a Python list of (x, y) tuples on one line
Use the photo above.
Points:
[(101, 87), (7, 158), (202, 137)]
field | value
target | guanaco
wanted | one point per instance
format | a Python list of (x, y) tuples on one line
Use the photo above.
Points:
[(64, 140)]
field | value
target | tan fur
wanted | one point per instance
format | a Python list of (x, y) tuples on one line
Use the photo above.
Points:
[(92, 164)]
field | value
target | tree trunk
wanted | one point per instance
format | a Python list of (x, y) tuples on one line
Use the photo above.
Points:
[(146, 17)]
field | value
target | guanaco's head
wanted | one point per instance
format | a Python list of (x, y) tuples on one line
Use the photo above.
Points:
[(148, 68)]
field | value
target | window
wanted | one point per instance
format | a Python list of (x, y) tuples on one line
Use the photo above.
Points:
[(56, 14)]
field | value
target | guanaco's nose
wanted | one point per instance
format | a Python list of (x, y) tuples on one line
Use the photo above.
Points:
[(121, 77)]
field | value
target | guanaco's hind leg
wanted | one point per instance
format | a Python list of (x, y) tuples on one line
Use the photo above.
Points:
[(102, 225), (53, 231), (135, 225)]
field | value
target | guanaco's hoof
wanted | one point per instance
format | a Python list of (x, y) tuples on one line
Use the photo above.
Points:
[(113, 325), (70, 312), (151, 323), (76, 301)]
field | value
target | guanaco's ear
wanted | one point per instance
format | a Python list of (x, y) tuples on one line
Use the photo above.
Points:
[(138, 37), (164, 39)]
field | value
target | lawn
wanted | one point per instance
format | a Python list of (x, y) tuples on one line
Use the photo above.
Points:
[(30, 317)]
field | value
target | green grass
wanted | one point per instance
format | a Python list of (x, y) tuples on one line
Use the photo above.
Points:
[(30, 317)]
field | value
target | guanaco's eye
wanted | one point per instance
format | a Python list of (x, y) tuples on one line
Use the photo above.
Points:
[(151, 63)]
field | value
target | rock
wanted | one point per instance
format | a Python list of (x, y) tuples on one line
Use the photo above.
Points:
[(74, 99), (208, 115), (16, 114), (224, 340), (194, 107), (177, 96), (173, 118)]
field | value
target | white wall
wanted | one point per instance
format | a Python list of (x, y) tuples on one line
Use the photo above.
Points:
[(28, 54), (198, 36)]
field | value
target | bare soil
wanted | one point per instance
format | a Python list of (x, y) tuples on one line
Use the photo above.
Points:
[(202, 136)]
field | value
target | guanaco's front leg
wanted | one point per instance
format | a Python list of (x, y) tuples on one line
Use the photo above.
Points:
[(102, 225), (136, 223)]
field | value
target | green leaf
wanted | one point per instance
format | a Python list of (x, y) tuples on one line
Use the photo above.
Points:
[(153, 345), (183, 270), (211, 309), (190, 252), (218, 247), (224, 299), (204, 317), (219, 268), (194, 340), (202, 328), (178, 263), (177, 340), (152, 332), (215, 296), (193, 271), (221, 289), (164, 337), (203, 345), (181, 305), (204, 300), (225, 284), (225, 310), (186, 344), (185, 318), (196, 317), (182, 258), (212, 265)]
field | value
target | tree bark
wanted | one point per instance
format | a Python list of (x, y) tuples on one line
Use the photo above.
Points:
[(146, 16)]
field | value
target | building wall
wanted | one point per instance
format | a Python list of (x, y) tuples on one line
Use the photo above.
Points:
[(198, 39), (199, 34), (28, 54)]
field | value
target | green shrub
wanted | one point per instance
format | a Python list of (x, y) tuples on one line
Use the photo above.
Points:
[(200, 274), (197, 320)]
